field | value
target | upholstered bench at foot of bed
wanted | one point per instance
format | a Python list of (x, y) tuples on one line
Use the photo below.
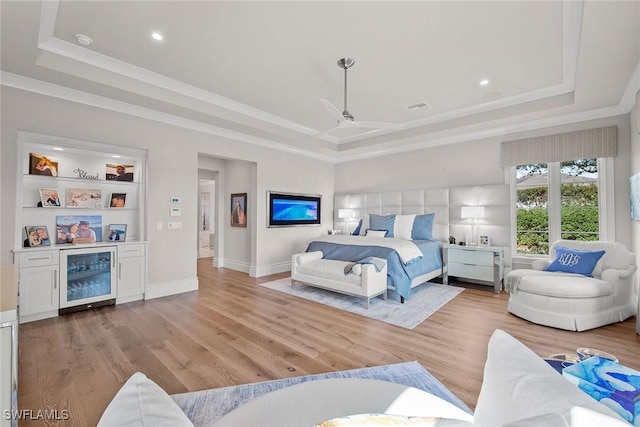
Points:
[(363, 281)]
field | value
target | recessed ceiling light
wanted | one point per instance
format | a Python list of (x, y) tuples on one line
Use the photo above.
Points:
[(83, 40), (58, 149), (484, 82), (115, 156), (157, 36)]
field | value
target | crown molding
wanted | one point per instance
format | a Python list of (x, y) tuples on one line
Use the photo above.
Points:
[(44, 88), (572, 23)]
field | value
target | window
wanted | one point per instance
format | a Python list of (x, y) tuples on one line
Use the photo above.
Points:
[(556, 200)]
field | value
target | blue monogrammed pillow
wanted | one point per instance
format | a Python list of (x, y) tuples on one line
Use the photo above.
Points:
[(575, 261)]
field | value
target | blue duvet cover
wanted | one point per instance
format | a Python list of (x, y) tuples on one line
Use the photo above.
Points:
[(399, 274)]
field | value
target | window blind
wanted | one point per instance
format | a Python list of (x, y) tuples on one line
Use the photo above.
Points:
[(584, 144)]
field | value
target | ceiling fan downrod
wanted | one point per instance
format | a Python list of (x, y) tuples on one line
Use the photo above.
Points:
[(346, 63)]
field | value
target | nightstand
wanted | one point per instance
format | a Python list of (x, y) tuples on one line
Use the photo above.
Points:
[(484, 263)]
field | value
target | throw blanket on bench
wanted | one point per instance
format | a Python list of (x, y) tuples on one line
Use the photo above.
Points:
[(378, 263)]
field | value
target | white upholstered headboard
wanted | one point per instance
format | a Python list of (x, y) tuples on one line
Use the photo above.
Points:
[(446, 203), (398, 202)]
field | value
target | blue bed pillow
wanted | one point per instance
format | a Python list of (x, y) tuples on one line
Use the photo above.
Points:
[(423, 227), (382, 222), (356, 231), (575, 261)]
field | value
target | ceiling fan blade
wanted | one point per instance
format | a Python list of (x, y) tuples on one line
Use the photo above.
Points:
[(335, 113), (376, 125)]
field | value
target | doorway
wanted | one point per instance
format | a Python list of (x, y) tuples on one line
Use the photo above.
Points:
[(206, 222)]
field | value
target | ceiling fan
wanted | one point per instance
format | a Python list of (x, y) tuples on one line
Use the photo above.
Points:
[(346, 119)]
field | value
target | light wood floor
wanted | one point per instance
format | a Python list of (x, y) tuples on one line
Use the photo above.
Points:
[(232, 331)]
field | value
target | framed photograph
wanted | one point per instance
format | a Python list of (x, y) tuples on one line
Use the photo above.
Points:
[(49, 197), (483, 241), (239, 210), (117, 200), (117, 232), (119, 172), (78, 229), (84, 198), (37, 235), (42, 165)]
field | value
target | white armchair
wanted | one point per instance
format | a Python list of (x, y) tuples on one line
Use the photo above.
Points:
[(572, 301)]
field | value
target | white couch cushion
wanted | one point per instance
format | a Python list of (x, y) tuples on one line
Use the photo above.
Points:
[(565, 287), (519, 385), (141, 402)]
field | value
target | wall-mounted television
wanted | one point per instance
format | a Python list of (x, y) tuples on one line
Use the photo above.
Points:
[(289, 209)]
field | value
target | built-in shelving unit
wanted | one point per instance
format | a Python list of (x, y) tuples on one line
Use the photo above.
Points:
[(85, 176)]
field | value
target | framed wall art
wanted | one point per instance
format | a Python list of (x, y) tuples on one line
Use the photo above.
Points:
[(239, 210), (49, 197), (119, 172), (117, 200), (78, 228), (42, 165), (117, 232), (37, 235), (83, 198)]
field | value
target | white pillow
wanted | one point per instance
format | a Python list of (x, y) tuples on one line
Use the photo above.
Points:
[(403, 226), (375, 233), (141, 402), (519, 385)]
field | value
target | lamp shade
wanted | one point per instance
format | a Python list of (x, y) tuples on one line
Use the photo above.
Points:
[(472, 212), (345, 213)]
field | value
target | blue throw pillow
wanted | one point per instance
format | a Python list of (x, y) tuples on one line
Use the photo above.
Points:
[(382, 222), (423, 227), (356, 231), (575, 261)]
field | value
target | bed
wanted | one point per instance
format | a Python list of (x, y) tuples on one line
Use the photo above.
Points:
[(409, 262)]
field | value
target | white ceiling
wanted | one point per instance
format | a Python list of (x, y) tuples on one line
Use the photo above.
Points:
[(256, 71)]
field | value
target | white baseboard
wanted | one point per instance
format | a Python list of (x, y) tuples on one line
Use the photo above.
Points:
[(234, 265), (130, 298), (267, 270), (158, 290)]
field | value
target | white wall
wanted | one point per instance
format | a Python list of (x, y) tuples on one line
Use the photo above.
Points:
[(477, 163), (173, 161), (635, 168)]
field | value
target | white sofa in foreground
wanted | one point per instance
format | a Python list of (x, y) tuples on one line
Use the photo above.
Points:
[(519, 389), (364, 280)]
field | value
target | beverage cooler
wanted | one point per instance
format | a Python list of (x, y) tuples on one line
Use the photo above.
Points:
[(87, 278)]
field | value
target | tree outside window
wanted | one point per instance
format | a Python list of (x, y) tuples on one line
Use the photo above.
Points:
[(576, 204)]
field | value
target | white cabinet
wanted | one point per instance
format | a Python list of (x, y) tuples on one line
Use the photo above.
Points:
[(38, 286), (479, 263), (132, 272)]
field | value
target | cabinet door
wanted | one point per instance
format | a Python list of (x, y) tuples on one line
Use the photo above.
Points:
[(131, 279), (38, 290)]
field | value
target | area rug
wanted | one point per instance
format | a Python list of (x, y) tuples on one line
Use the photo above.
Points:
[(205, 407), (423, 301)]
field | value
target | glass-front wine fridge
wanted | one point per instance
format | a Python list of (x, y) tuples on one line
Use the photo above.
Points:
[(87, 278)]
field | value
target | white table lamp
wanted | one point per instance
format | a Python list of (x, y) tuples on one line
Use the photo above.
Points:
[(345, 214), (473, 213)]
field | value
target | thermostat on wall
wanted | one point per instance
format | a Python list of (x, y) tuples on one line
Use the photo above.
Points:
[(175, 200), (175, 212)]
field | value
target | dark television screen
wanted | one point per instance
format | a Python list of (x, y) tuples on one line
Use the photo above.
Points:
[(294, 209)]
